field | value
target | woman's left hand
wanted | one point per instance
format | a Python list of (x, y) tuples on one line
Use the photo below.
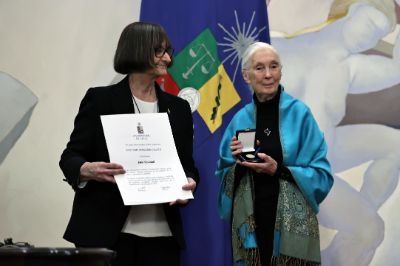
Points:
[(191, 185), (267, 165)]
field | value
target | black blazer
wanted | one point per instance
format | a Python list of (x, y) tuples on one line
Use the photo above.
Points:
[(98, 212)]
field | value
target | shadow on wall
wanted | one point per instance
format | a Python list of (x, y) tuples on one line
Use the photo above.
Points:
[(368, 108), (377, 107), (16, 105)]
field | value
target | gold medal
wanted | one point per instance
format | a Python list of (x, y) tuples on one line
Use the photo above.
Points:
[(250, 156)]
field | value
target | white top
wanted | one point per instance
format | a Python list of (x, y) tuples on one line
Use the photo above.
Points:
[(146, 220), (144, 107)]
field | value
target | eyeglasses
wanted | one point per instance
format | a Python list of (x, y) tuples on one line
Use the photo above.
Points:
[(160, 51)]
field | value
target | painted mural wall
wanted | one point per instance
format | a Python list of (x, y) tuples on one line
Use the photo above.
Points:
[(343, 59), (51, 52)]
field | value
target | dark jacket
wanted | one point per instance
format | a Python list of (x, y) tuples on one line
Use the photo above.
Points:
[(98, 212)]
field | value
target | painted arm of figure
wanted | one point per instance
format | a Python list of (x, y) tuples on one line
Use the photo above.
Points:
[(373, 73), (362, 30)]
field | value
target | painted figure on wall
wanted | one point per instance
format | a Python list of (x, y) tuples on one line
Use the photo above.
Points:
[(16, 105), (323, 65)]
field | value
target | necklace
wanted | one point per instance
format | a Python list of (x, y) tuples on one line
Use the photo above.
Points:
[(145, 107), (137, 106)]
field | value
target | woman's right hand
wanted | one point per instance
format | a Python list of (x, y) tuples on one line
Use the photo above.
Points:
[(236, 147), (100, 171)]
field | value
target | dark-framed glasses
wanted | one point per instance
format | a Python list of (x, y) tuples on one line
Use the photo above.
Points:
[(160, 51)]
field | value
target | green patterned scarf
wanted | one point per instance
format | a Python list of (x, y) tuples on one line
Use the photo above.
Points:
[(296, 240)]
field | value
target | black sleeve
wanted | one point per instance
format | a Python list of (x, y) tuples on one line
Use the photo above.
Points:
[(284, 173), (81, 141), (185, 144)]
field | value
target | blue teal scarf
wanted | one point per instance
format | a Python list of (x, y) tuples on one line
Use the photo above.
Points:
[(304, 154)]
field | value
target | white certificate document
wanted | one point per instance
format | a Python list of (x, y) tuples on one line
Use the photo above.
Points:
[(143, 144)]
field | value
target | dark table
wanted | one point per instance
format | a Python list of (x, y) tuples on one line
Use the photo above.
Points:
[(28, 256)]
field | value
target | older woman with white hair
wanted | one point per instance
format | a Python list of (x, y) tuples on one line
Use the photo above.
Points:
[(272, 196)]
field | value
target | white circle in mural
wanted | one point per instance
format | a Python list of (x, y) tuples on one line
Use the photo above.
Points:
[(192, 96)]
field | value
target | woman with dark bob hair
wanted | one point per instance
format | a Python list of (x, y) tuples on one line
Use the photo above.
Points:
[(140, 234)]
